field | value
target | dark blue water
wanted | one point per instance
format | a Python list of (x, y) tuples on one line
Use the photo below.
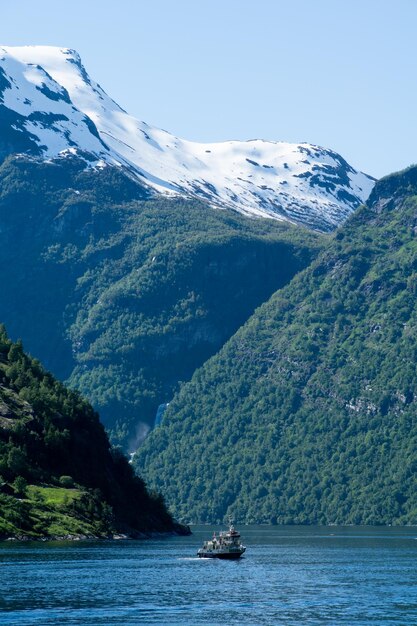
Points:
[(289, 576)]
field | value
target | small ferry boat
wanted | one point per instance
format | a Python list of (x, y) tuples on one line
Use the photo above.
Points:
[(226, 545)]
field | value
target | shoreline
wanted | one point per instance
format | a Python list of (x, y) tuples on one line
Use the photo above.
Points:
[(182, 531)]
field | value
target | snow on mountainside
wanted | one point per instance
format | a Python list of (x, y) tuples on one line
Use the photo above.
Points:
[(49, 106)]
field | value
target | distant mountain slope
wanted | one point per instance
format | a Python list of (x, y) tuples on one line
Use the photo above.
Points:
[(126, 296), (308, 414), (58, 475), (50, 107)]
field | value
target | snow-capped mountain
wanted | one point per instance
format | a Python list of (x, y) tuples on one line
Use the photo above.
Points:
[(50, 107)]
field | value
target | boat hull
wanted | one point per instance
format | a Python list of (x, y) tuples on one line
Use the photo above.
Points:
[(229, 556)]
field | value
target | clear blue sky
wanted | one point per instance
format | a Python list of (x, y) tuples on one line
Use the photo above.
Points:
[(338, 73)]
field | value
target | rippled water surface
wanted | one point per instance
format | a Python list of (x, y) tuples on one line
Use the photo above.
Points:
[(289, 576)]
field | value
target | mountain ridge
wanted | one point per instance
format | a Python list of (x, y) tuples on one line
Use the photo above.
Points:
[(60, 110)]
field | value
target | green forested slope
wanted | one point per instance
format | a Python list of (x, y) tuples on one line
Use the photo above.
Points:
[(309, 413), (125, 296), (58, 474)]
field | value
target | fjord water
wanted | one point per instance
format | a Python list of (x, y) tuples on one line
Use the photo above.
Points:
[(289, 576)]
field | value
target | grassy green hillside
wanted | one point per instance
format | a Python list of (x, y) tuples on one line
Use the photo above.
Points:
[(125, 296), (58, 474), (309, 413)]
